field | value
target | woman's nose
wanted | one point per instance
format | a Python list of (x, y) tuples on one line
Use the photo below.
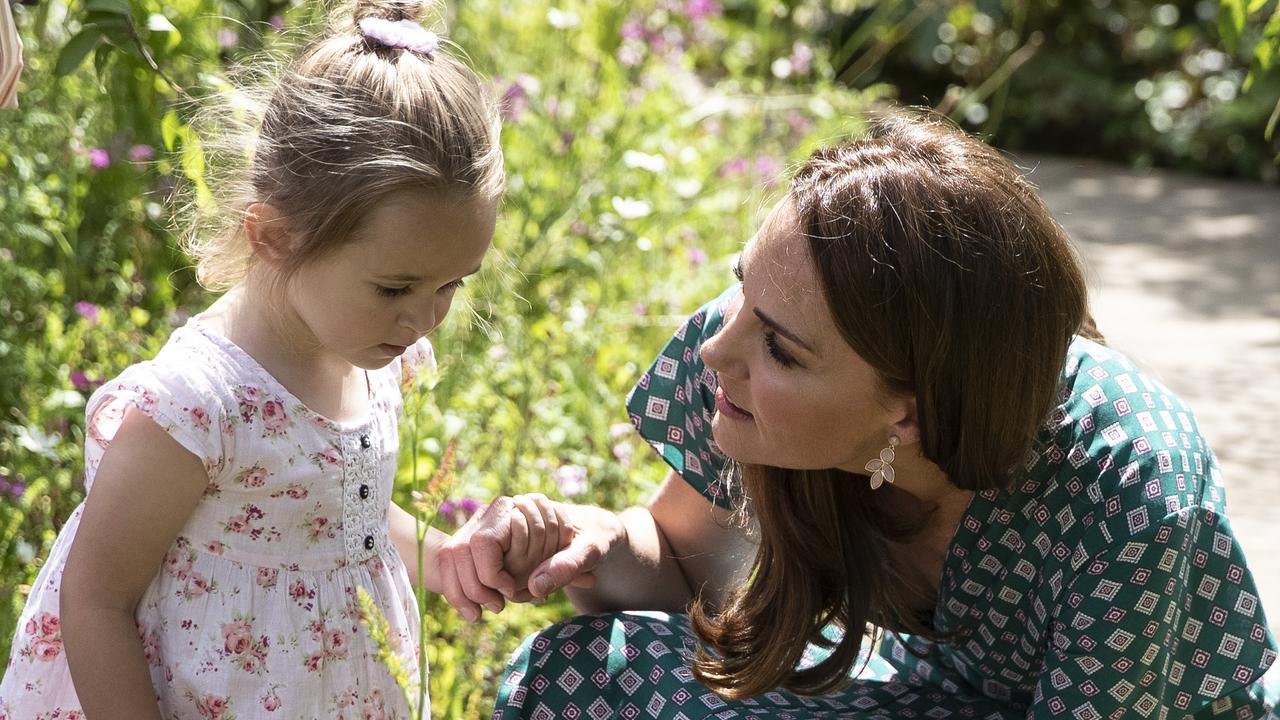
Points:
[(722, 351)]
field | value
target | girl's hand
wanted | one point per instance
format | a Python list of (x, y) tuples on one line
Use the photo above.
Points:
[(523, 548)]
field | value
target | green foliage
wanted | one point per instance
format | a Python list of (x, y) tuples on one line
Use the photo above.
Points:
[(643, 141)]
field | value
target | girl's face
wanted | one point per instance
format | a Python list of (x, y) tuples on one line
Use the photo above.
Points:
[(394, 281), (792, 393)]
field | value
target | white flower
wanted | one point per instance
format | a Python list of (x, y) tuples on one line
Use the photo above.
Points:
[(630, 208), (637, 159), (562, 19)]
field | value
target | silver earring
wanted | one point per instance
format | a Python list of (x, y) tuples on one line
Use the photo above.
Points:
[(881, 468)]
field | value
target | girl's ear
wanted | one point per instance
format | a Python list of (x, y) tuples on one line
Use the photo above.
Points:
[(269, 237)]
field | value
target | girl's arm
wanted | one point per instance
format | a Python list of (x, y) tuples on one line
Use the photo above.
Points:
[(404, 535), (145, 489)]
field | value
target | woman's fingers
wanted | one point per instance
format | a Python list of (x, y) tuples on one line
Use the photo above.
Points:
[(567, 566)]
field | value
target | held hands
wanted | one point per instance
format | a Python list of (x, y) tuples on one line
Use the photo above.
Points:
[(524, 548)]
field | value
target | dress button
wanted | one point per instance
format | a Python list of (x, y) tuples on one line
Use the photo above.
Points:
[(364, 442), (368, 542), (364, 492)]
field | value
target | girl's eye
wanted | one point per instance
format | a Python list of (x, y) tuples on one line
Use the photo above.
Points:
[(453, 285), (782, 357), (394, 292), (737, 271)]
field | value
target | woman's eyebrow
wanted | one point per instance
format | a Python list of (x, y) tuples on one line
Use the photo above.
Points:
[(778, 328)]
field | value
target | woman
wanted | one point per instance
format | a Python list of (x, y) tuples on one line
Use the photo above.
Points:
[(902, 418)]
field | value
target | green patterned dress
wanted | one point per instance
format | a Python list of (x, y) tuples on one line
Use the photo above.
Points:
[(1106, 583)]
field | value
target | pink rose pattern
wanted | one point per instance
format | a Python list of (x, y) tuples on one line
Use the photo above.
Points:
[(270, 522)]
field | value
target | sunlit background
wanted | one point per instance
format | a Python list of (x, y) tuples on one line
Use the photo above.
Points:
[(643, 142)]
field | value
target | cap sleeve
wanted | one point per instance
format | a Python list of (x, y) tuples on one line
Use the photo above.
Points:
[(418, 361), (673, 402), (1169, 618), (184, 403)]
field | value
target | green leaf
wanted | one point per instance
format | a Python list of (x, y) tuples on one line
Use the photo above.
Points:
[(76, 49), (158, 23), (1256, 5), (1271, 123), (170, 127), (115, 7), (1232, 15), (100, 59)]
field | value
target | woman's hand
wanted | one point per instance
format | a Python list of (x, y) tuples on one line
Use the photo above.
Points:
[(524, 548)]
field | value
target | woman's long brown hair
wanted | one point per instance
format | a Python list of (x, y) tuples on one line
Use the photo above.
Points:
[(946, 272)]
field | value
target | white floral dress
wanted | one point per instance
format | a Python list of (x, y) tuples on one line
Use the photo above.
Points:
[(253, 612)]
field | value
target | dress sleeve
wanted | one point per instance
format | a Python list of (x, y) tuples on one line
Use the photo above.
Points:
[(417, 362), (673, 402), (1167, 619), (184, 404)]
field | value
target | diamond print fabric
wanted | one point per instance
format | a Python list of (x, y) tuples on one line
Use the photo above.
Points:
[(1107, 583)]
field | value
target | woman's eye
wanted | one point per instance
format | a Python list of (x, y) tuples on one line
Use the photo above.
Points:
[(782, 357), (394, 291)]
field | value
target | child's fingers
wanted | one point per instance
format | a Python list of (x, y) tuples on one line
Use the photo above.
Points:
[(551, 523), (537, 525)]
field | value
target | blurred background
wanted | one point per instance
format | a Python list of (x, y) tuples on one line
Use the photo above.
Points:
[(644, 140)]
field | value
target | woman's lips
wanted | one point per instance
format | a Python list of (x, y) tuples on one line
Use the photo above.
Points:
[(394, 350), (726, 407)]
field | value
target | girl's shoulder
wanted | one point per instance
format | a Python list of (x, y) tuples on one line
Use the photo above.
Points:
[(191, 364)]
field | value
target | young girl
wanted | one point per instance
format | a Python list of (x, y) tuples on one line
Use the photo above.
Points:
[(239, 483)]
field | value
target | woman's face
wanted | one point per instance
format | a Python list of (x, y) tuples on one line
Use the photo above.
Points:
[(792, 393)]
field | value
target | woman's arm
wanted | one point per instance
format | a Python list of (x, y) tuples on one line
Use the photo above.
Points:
[(143, 492), (652, 558), (661, 555)]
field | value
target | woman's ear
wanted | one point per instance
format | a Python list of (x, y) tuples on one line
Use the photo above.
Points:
[(268, 234), (907, 426)]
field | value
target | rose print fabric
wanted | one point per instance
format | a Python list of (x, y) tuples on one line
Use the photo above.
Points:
[(253, 611), (1106, 583)]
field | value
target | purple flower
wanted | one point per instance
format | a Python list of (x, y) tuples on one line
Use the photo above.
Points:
[(801, 58), (141, 153), (228, 38), (276, 22), (80, 381), (515, 99), (17, 489), (99, 159), (737, 166), (768, 168), (456, 512), (632, 29), (701, 9), (697, 256), (88, 311), (571, 479)]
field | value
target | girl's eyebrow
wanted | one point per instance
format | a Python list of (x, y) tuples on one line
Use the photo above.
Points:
[(409, 278)]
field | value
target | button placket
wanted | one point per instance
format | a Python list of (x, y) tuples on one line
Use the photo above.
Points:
[(360, 517)]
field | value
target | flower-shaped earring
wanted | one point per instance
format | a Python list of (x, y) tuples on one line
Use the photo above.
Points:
[(881, 468)]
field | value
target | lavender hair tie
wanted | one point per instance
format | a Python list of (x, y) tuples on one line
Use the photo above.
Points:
[(400, 34)]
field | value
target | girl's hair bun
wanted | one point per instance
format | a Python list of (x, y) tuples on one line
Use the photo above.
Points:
[(392, 10)]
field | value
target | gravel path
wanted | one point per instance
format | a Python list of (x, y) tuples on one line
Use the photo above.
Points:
[(1185, 273)]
